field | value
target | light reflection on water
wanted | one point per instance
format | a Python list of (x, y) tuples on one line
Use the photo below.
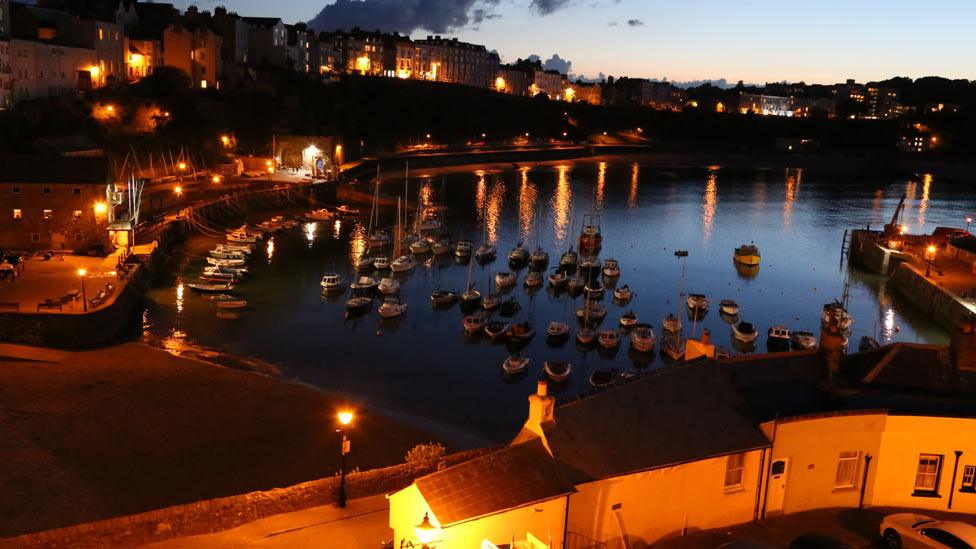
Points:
[(793, 180), (924, 203), (710, 198), (562, 200), (601, 182), (526, 202), (310, 232), (634, 178)]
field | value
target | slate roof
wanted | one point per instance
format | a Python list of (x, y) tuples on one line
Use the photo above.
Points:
[(967, 243), (506, 479), (909, 366), (53, 169), (677, 416)]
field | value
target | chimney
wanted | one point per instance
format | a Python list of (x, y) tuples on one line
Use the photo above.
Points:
[(962, 345), (541, 410), (831, 342)]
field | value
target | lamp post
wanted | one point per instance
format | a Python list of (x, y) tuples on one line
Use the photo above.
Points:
[(84, 296), (345, 419), (969, 221), (929, 258), (426, 532)]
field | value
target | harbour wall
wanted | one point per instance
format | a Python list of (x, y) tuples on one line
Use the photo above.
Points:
[(942, 305), (865, 252), (215, 515)]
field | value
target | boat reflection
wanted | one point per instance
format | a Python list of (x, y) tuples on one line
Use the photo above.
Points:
[(747, 272)]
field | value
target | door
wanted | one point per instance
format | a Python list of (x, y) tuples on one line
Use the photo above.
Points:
[(57, 240), (778, 474)]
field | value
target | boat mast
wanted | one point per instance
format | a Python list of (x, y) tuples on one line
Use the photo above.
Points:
[(683, 254)]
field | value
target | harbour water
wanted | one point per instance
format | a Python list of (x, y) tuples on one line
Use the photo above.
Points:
[(423, 364)]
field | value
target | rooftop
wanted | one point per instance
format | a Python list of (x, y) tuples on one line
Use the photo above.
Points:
[(53, 169)]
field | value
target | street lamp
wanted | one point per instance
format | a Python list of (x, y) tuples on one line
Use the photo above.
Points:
[(345, 419), (969, 221), (929, 258), (178, 190), (216, 179), (426, 532), (84, 296)]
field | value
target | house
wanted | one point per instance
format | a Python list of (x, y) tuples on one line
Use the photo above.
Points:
[(6, 83), (234, 42), (267, 41), (194, 48), (53, 202), (964, 249)]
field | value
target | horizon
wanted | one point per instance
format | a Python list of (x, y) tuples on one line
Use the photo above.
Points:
[(753, 42)]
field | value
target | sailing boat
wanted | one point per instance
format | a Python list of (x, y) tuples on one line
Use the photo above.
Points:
[(470, 295), (540, 258), (402, 263), (377, 237), (672, 340)]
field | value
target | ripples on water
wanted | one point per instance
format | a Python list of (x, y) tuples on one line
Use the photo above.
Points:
[(423, 364)]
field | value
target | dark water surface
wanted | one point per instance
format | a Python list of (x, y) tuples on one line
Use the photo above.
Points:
[(422, 364)]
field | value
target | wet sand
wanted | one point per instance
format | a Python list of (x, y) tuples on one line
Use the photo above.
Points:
[(97, 434)]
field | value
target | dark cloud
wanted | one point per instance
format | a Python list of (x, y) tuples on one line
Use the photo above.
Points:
[(556, 63), (545, 7), (635, 22), (439, 16)]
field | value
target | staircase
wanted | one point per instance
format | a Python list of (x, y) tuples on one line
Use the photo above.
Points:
[(845, 246)]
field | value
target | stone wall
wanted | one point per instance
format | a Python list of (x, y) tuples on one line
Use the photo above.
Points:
[(941, 305), (208, 516)]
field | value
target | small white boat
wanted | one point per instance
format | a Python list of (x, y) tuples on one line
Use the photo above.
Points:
[(379, 238), (558, 279), (804, 340), (594, 289), (238, 238), (642, 338), (364, 284), (593, 311), (515, 364), (609, 338), (222, 297), (539, 259), (331, 283), (623, 293), (441, 247), (611, 268), (245, 249), (388, 286), (473, 323), (569, 261), (392, 308), (778, 336), (233, 255), (321, 214), (505, 279), (441, 298), (628, 319), (358, 302), (381, 263), (348, 211), (365, 262), (462, 249), (232, 304), (586, 336), (591, 265), (430, 224), (403, 264), (557, 329), (672, 324), (533, 279), (557, 370), (729, 307), (697, 303), (744, 332), (575, 284), (837, 312), (211, 288), (518, 256), (420, 247), (215, 273), (226, 262)]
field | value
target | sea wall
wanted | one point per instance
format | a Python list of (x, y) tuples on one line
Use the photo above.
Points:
[(865, 252), (214, 515), (941, 305)]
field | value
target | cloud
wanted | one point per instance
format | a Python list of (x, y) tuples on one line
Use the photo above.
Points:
[(613, 23), (556, 63), (438, 16), (635, 22), (546, 7)]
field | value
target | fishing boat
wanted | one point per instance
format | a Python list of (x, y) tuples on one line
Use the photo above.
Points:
[(364, 284), (473, 324), (557, 370), (215, 273), (778, 337), (221, 254), (628, 319), (331, 282), (232, 304), (211, 288), (744, 332), (403, 264), (642, 338), (358, 302), (509, 307), (491, 302), (392, 308), (747, 254), (590, 266), (241, 238), (575, 284), (623, 293), (321, 214), (226, 262), (539, 259), (804, 340), (591, 311), (585, 335), (569, 261), (505, 279), (609, 338), (463, 249), (533, 279), (673, 345), (244, 249), (228, 315), (420, 247), (672, 324), (729, 307), (496, 328), (521, 331), (611, 268), (388, 286), (348, 211), (485, 253), (518, 257), (365, 262), (602, 378), (594, 289), (470, 296), (557, 329), (867, 343), (442, 246), (442, 298), (381, 263), (590, 239), (697, 305), (558, 279), (837, 312), (379, 238), (515, 364)]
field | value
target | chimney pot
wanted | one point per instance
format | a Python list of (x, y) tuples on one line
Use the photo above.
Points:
[(542, 388)]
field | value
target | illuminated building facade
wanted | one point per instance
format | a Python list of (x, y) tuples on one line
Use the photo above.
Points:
[(6, 82), (233, 44), (456, 62), (591, 93), (765, 105), (550, 83), (194, 49)]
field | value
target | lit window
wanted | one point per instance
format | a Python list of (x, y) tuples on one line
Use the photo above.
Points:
[(734, 469), (203, 84), (846, 470), (48, 214), (927, 475), (968, 479), (18, 214), (76, 214), (101, 34)]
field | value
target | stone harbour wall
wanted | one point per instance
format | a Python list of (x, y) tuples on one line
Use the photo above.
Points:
[(939, 303)]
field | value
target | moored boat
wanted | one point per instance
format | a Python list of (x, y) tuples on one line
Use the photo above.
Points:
[(232, 304), (594, 289), (358, 302), (509, 307), (557, 329), (744, 332), (539, 259), (519, 256), (586, 336), (557, 370), (836, 312), (533, 279), (623, 293), (558, 279), (611, 268), (697, 304), (462, 249), (642, 338), (388, 286), (515, 364), (392, 308), (442, 298), (569, 261), (729, 307), (672, 324), (473, 323), (778, 337), (590, 239), (420, 247), (575, 284), (747, 254), (609, 338), (331, 283), (628, 319), (364, 284), (403, 264), (495, 328), (505, 279), (381, 263), (211, 288), (591, 311), (520, 331), (803, 340), (485, 253), (442, 246), (491, 302)]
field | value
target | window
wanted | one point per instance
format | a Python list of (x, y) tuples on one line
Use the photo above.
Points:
[(968, 479), (101, 34), (927, 476), (846, 470), (18, 214), (76, 190), (48, 214), (15, 189), (76, 215), (46, 190), (734, 468), (944, 538), (35, 237)]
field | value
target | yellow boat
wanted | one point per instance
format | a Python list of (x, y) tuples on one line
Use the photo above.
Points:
[(747, 254)]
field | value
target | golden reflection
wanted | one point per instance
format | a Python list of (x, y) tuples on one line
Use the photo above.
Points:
[(336, 229), (793, 180), (495, 199), (876, 206), (269, 249), (310, 232), (634, 177), (426, 193), (179, 297), (708, 207), (562, 200), (601, 181), (175, 342), (910, 189), (888, 325), (481, 191), (924, 203), (528, 194), (357, 243)]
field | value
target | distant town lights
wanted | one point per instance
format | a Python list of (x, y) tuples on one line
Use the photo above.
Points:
[(225, 139)]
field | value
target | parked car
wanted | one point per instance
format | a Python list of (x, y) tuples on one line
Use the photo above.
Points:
[(910, 531)]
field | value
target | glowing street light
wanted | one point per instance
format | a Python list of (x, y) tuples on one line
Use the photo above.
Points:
[(225, 139), (181, 166), (216, 179), (929, 258), (969, 221), (345, 418), (426, 532), (100, 208), (178, 190), (84, 296)]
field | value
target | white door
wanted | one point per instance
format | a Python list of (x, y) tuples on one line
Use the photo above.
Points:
[(778, 473)]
